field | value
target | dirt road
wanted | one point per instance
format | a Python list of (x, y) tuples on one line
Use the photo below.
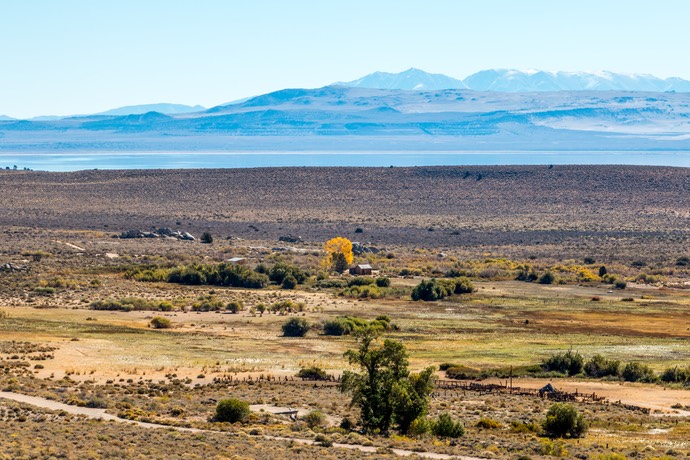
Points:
[(101, 414)]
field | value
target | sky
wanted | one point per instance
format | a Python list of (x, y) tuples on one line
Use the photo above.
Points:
[(84, 56)]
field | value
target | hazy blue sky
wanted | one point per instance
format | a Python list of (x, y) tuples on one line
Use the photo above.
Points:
[(82, 56)]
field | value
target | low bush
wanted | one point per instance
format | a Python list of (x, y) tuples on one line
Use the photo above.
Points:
[(346, 325), (208, 302), (314, 419), (295, 327), (598, 367), (570, 363), (563, 420), (130, 304), (158, 322), (383, 281), (361, 281), (547, 278), (312, 373), (231, 410), (234, 306), (436, 289), (637, 372), (460, 372), (280, 271), (420, 426), (676, 375), (289, 282), (445, 427), (488, 423)]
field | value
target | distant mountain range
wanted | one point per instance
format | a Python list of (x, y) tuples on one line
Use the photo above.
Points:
[(495, 80), (161, 108), (365, 119), (515, 81)]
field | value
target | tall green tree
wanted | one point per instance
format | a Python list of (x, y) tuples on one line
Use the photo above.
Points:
[(385, 392)]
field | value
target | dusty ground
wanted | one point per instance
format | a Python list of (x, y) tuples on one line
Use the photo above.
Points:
[(561, 211)]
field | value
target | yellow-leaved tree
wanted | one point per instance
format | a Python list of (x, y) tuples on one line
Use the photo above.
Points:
[(338, 254)]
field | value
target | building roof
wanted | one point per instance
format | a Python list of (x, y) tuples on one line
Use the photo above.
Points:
[(364, 266), (234, 260)]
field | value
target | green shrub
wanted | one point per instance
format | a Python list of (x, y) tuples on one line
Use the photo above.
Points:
[(335, 327), (327, 283), (383, 281), (158, 322), (361, 281), (433, 289), (683, 261), (314, 419), (676, 375), (224, 274), (637, 372), (598, 366), (287, 306), (208, 303), (569, 363), (312, 373), (369, 291), (488, 423), (620, 284), (419, 426), (527, 275), (231, 410), (280, 271), (206, 238), (460, 372), (563, 420), (547, 278), (289, 282), (346, 325), (463, 286), (235, 306), (131, 303), (295, 327), (445, 427)]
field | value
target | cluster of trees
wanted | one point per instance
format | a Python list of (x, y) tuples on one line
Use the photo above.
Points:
[(573, 363), (346, 325), (223, 274), (132, 303), (437, 289), (286, 275)]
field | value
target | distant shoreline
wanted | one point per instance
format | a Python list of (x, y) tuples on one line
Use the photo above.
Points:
[(105, 160)]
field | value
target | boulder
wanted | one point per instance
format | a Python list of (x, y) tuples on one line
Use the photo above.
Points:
[(290, 239)]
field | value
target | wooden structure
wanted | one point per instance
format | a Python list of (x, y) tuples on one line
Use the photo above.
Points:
[(361, 269)]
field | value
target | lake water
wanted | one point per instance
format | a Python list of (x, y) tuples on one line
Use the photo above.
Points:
[(81, 161)]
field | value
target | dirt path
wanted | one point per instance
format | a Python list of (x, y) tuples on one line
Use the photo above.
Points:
[(101, 414), (73, 246), (656, 398)]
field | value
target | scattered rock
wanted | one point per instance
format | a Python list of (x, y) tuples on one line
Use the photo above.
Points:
[(163, 232), (290, 239), (362, 248), (9, 267)]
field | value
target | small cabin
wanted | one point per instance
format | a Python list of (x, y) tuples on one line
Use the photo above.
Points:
[(237, 261), (361, 269)]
